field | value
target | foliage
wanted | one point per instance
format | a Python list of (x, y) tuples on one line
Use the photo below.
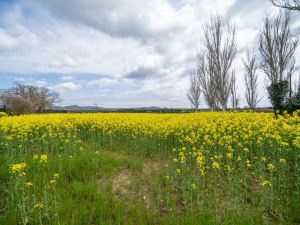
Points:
[(281, 102), (293, 104), (278, 95)]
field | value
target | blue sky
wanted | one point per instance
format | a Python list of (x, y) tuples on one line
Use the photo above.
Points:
[(119, 53)]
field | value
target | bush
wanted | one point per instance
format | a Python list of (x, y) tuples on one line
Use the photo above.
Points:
[(17, 105), (278, 95), (295, 101)]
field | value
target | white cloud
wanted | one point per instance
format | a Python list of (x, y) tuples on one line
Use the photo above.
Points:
[(6, 41), (67, 78), (126, 18), (102, 83), (40, 83), (67, 86)]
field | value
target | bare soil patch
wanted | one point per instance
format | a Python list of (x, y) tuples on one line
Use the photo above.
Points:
[(128, 183)]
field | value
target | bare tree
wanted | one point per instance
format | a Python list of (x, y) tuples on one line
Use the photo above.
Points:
[(206, 79), (194, 91), (277, 47), (220, 48), (46, 98), (250, 79), (287, 4), (235, 98)]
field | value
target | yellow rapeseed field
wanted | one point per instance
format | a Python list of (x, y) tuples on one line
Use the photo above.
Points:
[(241, 153), (226, 142)]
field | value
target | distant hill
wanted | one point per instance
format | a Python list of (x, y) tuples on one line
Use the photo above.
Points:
[(77, 108)]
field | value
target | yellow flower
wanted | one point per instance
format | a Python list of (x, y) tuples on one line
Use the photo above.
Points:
[(52, 181), (282, 161), (193, 186), (265, 182), (215, 165), (178, 170), (56, 176), (43, 158), (218, 156), (229, 155), (248, 164), (35, 157), (16, 168), (230, 149), (239, 158), (228, 168), (246, 150), (263, 158), (271, 166), (29, 184), (39, 205), (167, 177)]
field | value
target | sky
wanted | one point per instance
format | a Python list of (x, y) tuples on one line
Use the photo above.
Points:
[(121, 53)]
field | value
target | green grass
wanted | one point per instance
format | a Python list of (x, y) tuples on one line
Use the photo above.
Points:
[(98, 186)]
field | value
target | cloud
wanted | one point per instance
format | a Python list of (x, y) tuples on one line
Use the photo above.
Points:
[(102, 83), (67, 78), (140, 19), (67, 86), (22, 39), (40, 83), (6, 41), (142, 73), (249, 7)]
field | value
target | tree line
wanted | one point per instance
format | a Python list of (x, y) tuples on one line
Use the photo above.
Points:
[(214, 75)]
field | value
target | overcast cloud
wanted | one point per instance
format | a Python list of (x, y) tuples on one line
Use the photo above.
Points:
[(119, 53)]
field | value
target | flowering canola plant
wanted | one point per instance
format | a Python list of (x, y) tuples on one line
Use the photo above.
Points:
[(247, 150)]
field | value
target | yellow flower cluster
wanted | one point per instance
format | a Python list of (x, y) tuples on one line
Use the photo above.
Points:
[(42, 158), (39, 205), (29, 184), (266, 183), (18, 168), (231, 143), (54, 179), (215, 165)]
